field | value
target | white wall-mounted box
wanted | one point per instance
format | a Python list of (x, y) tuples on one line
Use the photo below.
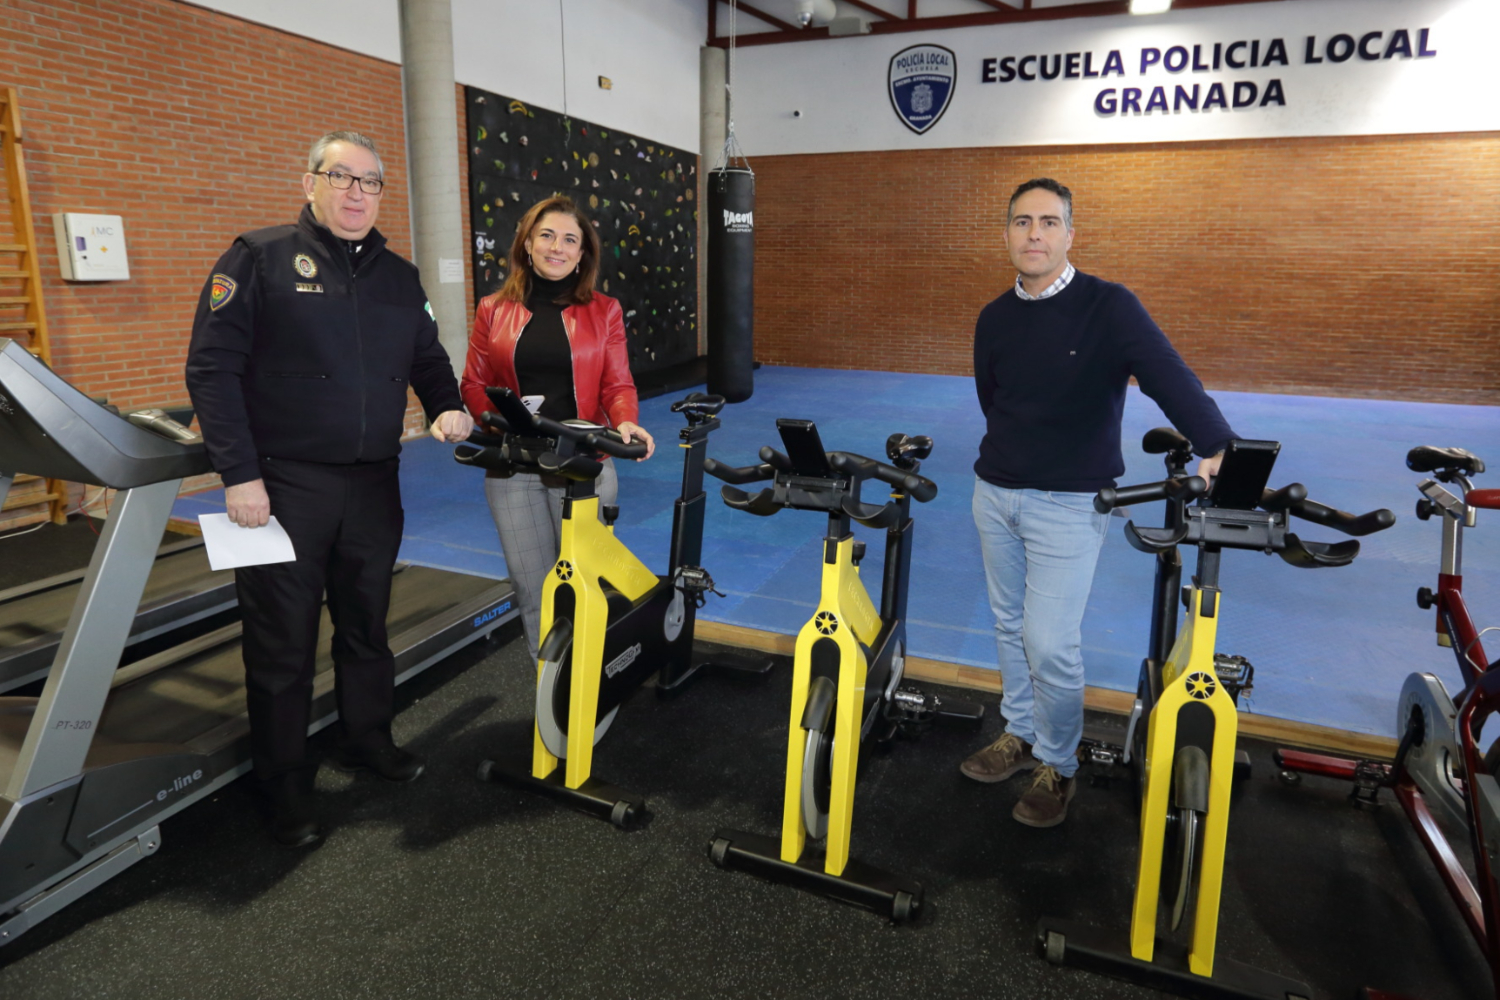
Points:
[(91, 247)]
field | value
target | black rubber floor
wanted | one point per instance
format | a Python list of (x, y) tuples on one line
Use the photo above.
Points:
[(453, 888)]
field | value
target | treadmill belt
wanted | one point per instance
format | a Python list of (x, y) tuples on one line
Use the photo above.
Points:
[(180, 590), (176, 698)]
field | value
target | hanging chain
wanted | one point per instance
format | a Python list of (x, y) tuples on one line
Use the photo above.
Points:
[(731, 151), (562, 32)]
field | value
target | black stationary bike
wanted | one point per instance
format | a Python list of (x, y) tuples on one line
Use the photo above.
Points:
[(848, 668), (608, 624)]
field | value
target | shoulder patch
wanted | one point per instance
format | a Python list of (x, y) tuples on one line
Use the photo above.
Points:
[(221, 290), (428, 306)]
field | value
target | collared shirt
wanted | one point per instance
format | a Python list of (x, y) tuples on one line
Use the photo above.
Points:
[(1050, 290)]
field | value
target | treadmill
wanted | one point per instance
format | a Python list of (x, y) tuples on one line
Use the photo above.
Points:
[(89, 769), (181, 590)]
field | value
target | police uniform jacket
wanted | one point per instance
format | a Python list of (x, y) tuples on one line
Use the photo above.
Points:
[(304, 351)]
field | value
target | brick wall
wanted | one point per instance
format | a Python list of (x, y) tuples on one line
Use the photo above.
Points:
[(1334, 266), (193, 126), (1327, 266)]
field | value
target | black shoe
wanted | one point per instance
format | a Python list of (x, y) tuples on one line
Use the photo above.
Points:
[(389, 761), (294, 815)]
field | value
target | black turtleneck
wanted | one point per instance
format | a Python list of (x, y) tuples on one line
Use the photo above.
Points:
[(544, 358)]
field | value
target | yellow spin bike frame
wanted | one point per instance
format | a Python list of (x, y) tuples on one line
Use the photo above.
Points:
[(847, 617), (1188, 678), (588, 554)]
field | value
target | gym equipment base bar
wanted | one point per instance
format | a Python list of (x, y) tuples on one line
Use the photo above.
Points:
[(1063, 942), (625, 810), (742, 665), (893, 896)]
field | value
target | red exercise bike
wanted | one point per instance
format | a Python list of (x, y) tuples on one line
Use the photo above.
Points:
[(1439, 771)]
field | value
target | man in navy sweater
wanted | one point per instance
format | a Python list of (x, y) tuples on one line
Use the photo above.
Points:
[(1052, 358)]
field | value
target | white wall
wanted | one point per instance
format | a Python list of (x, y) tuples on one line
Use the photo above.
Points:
[(841, 85), (649, 48)]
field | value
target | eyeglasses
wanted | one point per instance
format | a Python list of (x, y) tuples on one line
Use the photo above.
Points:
[(340, 181)]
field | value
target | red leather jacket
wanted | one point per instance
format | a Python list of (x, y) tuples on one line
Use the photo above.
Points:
[(602, 386)]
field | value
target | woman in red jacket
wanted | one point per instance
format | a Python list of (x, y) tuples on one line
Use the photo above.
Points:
[(560, 346)]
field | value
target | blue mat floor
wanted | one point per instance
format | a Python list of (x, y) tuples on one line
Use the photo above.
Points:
[(1330, 647)]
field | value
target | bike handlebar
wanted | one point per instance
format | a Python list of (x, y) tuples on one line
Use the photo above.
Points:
[(1168, 489), (1357, 525), (1285, 498), (605, 440), (738, 475), (602, 439), (1291, 498), (918, 487)]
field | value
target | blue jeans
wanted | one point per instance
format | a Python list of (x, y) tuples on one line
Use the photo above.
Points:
[(1040, 550)]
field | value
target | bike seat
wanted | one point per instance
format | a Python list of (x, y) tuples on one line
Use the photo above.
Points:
[(699, 402), (1426, 458), (1488, 499), (1160, 440)]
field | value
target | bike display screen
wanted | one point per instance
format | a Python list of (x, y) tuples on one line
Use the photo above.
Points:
[(1242, 477)]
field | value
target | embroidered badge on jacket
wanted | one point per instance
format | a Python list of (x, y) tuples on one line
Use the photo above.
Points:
[(221, 290), (304, 266)]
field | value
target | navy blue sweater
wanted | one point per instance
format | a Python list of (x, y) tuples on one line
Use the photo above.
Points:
[(1051, 377)]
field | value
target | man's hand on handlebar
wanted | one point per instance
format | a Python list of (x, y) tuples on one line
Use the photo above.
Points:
[(630, 431), (1209, 467), (247, 504)]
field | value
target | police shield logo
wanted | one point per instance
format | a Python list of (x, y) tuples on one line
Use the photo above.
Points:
[(220, 290), (920, 82)]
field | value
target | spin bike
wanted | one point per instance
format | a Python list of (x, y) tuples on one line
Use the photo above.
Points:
[(608, 623), (1439, 772), (1185, 755), (848, 665)]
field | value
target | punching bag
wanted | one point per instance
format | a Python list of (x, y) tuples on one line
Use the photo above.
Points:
[(731, 285)]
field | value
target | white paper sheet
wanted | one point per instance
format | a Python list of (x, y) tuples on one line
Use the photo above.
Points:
[(230, 545)]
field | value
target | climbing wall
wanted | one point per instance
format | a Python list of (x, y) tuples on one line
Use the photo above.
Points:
[(639, 194)]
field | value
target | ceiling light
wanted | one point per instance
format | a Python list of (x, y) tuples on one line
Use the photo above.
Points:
[(1150, 6)]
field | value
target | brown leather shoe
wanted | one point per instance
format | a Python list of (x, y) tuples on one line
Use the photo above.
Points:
[(1046, 801), (999, 760)]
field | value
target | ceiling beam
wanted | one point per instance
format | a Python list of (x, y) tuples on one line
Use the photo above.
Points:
[(1009, 15), (872, 9), (769, 19)]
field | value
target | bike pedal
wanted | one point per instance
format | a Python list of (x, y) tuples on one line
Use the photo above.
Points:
[(1369, 778)]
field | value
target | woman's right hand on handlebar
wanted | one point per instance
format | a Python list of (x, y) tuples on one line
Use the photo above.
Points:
[(631, 431)]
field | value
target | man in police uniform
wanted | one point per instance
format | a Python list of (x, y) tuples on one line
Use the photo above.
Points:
[(305, 340)]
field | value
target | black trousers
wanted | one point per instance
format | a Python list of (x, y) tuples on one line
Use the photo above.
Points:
[(345, 523)]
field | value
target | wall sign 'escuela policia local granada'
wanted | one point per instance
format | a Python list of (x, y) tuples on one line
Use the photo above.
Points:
[(1177, 60), (1193, 74)]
